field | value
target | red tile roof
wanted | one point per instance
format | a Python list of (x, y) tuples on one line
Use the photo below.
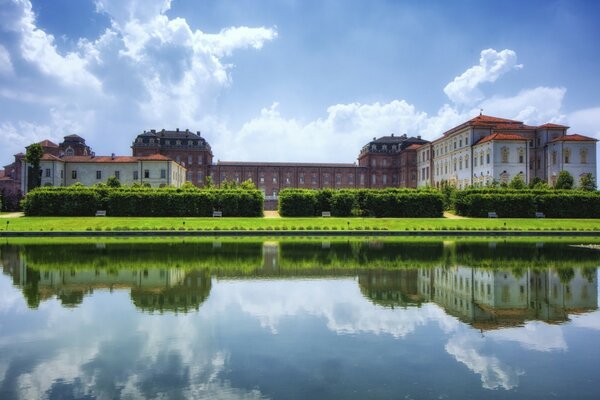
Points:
[(483, 120), (514, 127), (551, 126), (574, 138), (501, 136), (154, 157), (413, 146), (109, 159), (50, 157)]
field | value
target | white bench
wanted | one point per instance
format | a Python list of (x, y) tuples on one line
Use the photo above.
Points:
[(101, 213), (217, 214), (540, 215), (492, 214), (326, 214)]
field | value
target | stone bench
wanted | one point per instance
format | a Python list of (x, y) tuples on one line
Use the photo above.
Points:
[(217, 214), (540, 215), (492, 214), (326, 214), (101, 213)]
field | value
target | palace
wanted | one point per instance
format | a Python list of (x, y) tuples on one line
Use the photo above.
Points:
[(478, 152), (488, 149)]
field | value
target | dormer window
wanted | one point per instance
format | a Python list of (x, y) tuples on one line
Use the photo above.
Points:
[(69, 151)]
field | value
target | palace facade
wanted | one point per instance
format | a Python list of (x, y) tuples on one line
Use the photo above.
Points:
[(488, 149), (478, 152)]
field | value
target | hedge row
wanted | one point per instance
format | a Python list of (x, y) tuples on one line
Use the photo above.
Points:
[(143, 203), (524, 204), (360, 202)]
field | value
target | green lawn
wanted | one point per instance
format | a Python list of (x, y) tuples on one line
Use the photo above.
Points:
[(124, 223)]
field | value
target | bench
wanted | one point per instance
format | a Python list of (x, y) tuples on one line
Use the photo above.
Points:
[(101, 213), (540, 215), (217, 214), (326, 214), (492, 214)]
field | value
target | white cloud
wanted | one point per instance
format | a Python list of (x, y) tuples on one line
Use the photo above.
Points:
[(6, 67), (535, 335), (464, 89), (466, 348), (534, 106)]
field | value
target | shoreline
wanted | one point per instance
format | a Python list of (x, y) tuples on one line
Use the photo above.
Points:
[(301, 233)]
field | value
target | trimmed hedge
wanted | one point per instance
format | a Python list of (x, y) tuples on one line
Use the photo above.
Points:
[(408, 203), (509, 203), (142, 202)]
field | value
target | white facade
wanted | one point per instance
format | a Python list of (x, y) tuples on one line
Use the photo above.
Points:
[(156, 170), (488, 149)]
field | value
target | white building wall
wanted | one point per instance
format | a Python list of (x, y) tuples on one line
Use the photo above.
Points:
[(504, 172)]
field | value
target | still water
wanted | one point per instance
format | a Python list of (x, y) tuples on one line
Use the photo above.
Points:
[(299, 320)]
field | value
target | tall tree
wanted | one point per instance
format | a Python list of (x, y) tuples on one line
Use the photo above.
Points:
[(564, 180), (587, 182), (33, 157)]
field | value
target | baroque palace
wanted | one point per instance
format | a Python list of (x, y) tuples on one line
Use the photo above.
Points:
[(478, 152)]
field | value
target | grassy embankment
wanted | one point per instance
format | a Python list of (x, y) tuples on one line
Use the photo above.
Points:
[(268, 224)]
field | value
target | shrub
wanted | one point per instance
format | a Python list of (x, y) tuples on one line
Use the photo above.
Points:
[(298, 203), (342, 203), (564, 180)]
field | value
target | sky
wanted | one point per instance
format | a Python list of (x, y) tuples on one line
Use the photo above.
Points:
[(290, 80)]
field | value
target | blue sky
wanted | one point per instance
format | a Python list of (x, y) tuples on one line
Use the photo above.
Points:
[(290, 80)]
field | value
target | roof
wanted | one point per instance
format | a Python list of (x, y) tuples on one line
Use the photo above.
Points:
[(70, 137), (177, 134), (574, 138), (482, 120), (50, 157), (154, 157), (501, 136), (47, 143), (413, 146), (553, 126), (282, 164), (390, 139), (111, 159)]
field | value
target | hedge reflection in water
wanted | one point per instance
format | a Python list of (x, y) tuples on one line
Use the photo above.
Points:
[(487, 284)]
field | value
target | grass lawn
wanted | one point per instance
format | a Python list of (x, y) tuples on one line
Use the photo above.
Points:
[(142, 223)]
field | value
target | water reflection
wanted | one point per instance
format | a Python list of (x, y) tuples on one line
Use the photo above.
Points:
[(297, 320)]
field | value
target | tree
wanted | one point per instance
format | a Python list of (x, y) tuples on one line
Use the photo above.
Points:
[(33, 156), (587, 182), (208, 182), (113, 182), (247, 185), (535, 181), (517, 183), (564, 180)]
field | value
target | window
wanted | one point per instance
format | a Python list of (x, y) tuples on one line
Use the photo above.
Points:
[(301, 178), (287, 180), (362, 179), (521, 155), (338, 178), (373, 179), (384, 179), (460, 163), (118, 174), (74, 174), (199, 160), (274, 178), (350, 178), (454, 165), (487, 157), (146, 174), (481, 158), (554, 158), (189, 160), (467, 141), (314, 179), (188, 176), (460, 143), (47, 172), (475, 161), (373, 162), (583, 156), (163, 174), (262, 179), (70, 151), (384, 162), (62, 174), (504, 153), (200, 176), (567, 154), (136, 175), (98, 174)]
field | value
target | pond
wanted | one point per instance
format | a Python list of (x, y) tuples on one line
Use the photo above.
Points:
[(298, 319)]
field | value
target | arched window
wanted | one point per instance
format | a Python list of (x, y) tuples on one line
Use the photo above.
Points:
[(567, 155), (69, 151), (504, 153), (521, 155), (583, 155)]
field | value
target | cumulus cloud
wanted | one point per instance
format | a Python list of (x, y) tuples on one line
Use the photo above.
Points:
[(464, 89), (538, 336), (466, 349)]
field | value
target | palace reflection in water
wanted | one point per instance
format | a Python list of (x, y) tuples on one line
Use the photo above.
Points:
[(513, 288)]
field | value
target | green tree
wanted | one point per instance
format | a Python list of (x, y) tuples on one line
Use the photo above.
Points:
[(248, 185), (33, 156), (228, 184), (587, 182), (208, 182), (113, 182), (535, 181), (517, 183), (564, 180)]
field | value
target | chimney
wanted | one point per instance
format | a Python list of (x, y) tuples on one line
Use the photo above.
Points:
[(153, 130), (177, 129), (198, 133), (392, 135), (374, 138), (187, 131), (419, 137), (112, 156)]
